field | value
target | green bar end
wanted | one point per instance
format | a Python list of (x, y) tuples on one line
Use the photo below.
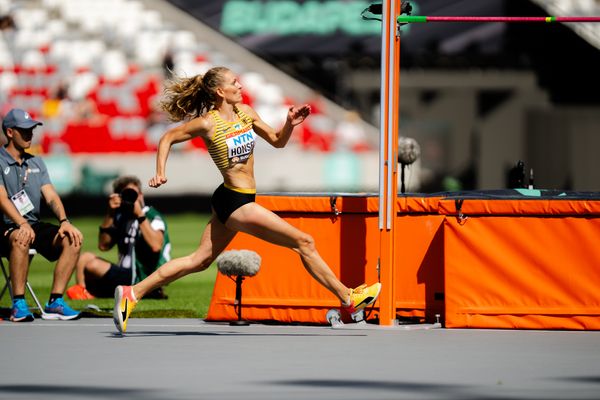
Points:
[(407, 19)]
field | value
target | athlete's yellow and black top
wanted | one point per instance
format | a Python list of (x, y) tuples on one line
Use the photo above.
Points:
[(233, 142)]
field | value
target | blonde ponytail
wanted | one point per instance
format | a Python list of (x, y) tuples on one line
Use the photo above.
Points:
[(188, 98)]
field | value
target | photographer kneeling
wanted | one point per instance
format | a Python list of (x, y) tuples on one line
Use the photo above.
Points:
[(142, 239)]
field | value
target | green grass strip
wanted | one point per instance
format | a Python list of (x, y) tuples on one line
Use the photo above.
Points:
[(189, 297)]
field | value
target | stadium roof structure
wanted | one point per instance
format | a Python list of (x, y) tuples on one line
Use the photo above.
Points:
[(589, 32)]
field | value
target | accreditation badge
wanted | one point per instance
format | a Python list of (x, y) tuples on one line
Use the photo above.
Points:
[(22, 202)]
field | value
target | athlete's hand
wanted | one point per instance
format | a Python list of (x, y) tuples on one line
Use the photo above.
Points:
[(297, 115), (157, 180)]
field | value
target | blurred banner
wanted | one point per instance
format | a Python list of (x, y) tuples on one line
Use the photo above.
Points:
[(331, 27)]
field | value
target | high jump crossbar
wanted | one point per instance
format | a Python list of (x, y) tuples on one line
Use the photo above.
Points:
[(407, 19)]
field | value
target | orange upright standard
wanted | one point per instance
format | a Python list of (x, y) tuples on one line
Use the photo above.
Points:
[(388, 156)]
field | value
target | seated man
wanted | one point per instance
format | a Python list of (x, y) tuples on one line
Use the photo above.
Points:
[(24, 181), (141, 236)]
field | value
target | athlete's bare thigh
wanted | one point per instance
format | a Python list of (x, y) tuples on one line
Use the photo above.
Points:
[(215, 238), (256, 220)]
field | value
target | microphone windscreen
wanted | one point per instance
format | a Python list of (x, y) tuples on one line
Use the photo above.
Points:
[(238, 263)]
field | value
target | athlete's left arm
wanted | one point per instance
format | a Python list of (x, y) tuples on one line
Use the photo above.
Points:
[(295, 116)]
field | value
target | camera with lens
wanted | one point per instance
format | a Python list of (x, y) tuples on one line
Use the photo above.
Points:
[(128, 198)]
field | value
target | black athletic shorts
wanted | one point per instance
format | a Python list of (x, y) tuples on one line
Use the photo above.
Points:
[(225, 201), (44, 237), (105, 286)]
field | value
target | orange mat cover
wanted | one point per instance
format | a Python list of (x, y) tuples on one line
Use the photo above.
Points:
[(534, 269)]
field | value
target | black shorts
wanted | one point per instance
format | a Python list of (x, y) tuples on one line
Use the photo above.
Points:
[(43, 242), (105, 286), (225, 201)]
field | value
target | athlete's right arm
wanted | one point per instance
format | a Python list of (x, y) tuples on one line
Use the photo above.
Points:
[(198, 127)]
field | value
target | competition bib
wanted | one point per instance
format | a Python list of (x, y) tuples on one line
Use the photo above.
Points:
[(22, 202), (240, 146)]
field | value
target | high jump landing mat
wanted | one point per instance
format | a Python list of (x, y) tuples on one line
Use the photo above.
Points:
[(489, 259)]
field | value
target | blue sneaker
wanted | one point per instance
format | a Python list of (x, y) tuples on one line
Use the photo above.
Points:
[(59, 310), (20, 311)]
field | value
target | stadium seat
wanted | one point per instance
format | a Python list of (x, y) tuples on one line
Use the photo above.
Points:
[(270, 94), (114, 65), (252, 80), (8, 81), (33, 59), (183, 40)]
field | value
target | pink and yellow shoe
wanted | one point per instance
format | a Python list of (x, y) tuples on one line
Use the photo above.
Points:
[(362, 297), (125, 302)]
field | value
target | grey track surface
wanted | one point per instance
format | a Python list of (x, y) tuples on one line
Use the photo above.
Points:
[(190, 359)]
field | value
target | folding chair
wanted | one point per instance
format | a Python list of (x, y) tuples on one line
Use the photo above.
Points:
[(7, 286)]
